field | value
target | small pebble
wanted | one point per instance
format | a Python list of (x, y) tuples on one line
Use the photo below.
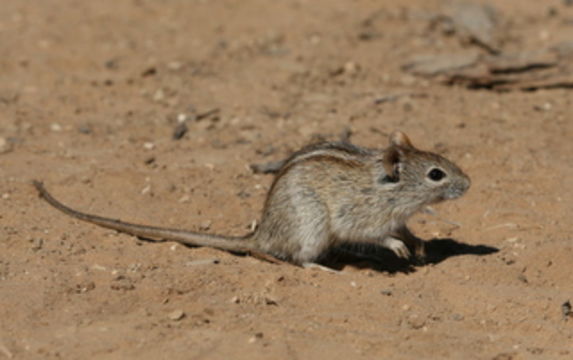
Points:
[(351, 67), (566, 309), (159, 95), (37, 244), (269, 300), (149, 72), (386, 292), (205, 225), (56, 127), (85, 129), (544, 107), (180, 131), (146, 189), (184, 199), (181, 118), (416, 322), (5, 146), (150, 160), (174, 65), (99, 267), (256, 337), (176, 315), (149, 146)]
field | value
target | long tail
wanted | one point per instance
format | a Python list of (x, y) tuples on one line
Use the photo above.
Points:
[(235, 244)]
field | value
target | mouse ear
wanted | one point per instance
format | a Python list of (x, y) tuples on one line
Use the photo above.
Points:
[(398, 138), (391, 163)]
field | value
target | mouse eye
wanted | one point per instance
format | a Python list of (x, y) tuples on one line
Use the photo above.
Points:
[(436, 174)]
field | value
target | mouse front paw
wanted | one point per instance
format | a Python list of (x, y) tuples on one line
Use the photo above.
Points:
[(398, 247)]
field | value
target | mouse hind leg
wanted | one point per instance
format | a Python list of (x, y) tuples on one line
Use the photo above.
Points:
[(295, 227), (311, 235)]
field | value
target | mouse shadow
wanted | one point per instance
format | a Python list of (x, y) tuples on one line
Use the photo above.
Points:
[(378, 258)]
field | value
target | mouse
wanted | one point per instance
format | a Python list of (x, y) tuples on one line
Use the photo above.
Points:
[(324, 195)]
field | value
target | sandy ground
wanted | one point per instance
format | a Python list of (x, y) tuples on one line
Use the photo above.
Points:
[(90, 95)]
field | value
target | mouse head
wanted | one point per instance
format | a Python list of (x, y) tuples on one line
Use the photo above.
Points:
[(428, 176)]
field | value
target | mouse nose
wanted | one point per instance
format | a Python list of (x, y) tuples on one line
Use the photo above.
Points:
[(466, 183), (463, 185), (459, 187)]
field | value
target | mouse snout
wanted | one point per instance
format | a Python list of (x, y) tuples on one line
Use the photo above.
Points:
[(459, 187)]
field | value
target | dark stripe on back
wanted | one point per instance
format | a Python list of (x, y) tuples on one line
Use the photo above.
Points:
[(351, 163), (344, 147)]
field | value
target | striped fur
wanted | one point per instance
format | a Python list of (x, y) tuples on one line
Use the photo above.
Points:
[(326, 194)]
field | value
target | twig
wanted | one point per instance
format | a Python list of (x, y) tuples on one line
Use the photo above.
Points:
[(207, 113), (4, 350), (510, 225), (394, 97)]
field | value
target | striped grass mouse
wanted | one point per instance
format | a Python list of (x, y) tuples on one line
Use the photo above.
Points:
[(324, 195)]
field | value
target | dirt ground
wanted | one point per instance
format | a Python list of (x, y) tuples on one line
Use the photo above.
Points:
[(91, 93)]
